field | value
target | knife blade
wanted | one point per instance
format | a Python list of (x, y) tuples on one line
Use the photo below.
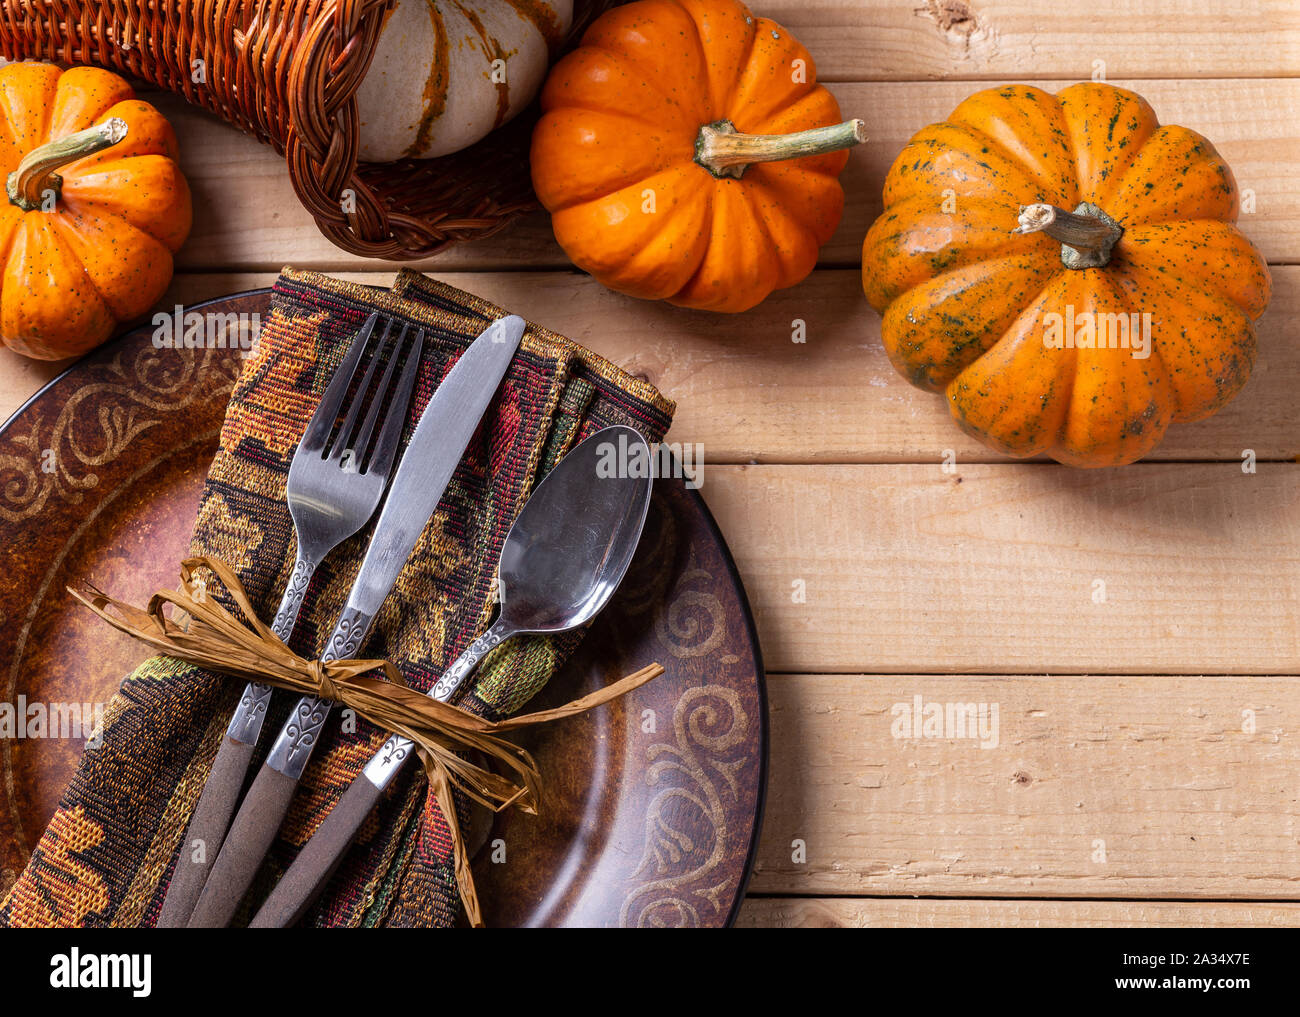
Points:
[(436, 446)]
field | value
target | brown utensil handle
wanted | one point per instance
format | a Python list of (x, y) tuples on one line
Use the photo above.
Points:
[(206, 832), (250, 836), (316, 862)]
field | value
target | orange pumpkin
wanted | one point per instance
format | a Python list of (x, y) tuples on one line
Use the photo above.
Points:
[(687, 153), (96, 207), (1066, 271)]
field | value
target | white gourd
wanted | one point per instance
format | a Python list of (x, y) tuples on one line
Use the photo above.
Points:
[(446, 72)]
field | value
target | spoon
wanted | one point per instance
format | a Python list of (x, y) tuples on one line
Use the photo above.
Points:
[(561, 562)]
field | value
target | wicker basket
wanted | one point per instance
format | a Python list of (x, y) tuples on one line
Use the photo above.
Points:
[(287, 72)]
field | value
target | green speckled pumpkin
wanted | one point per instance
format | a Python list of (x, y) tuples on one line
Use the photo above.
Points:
[(1066, 271)]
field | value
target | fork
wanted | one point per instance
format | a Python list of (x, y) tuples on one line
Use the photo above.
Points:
[(336, 480)]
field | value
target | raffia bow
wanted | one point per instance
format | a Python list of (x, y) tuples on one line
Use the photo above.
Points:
[(216, 640)]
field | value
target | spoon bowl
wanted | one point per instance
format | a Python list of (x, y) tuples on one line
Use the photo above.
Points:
[(571, 545)]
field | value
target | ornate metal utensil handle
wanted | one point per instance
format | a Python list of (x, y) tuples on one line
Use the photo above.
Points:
[(385, 764), (294, 745), (246, 724)]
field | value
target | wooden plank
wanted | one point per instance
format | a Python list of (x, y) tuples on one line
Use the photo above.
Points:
[(882, 40), (994, 568), (747, 393), (875, 40), (852, 913), (247, 217), (1097, 787), (1176, 569)]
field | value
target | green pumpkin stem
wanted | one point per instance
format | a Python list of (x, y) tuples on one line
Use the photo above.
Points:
[(725, 152), (35, 178), (1087, 235)]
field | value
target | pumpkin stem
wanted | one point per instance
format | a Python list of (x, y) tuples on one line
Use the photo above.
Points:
[(31, 184), (1087, 234), (725, 152)]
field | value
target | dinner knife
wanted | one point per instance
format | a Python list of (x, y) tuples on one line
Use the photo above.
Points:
[(431, 457)]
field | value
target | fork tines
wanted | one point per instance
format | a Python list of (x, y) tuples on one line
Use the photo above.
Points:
[(353, 442)]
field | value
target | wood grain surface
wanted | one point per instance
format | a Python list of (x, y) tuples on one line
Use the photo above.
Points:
[(1090, 786), (893, 912), (1144, 772), (748, 393)]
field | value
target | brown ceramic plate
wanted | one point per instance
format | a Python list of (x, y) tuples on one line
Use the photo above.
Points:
[(653, 805)]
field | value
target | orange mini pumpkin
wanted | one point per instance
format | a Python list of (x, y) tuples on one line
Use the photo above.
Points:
[(687, 153), (96, 207), (1066, 271)]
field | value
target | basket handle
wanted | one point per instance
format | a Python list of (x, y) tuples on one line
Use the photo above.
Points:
[(322, 145)]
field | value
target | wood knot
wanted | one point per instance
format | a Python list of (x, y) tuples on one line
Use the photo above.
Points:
[(959, 22), (950, 15)]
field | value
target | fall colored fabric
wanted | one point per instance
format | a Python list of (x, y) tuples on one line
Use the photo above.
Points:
[(108, 853)]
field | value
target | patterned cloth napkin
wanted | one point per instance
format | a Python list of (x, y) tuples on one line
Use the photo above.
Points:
[(108, 853)]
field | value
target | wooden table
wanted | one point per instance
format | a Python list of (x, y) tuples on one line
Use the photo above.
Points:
[(1137, 629)]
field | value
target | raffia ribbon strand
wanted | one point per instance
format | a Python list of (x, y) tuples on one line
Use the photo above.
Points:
[(216, 640)]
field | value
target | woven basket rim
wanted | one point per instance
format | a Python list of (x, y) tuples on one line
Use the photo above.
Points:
[(287, 72)]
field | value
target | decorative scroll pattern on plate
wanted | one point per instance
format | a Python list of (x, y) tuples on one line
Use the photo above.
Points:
[(124, 397), (686, 834)]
